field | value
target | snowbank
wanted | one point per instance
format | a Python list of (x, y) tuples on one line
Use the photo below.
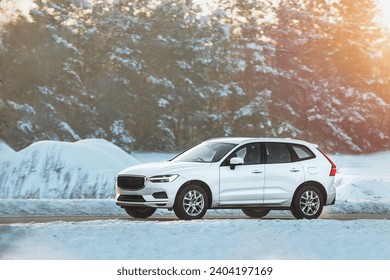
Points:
[(362, 183), (52, 169)]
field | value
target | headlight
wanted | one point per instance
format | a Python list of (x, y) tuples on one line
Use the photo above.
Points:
[(163, 178)]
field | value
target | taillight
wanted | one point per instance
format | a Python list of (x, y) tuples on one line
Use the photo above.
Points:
[(333, 169)]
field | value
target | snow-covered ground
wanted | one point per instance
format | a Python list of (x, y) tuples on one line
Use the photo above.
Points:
[(363, 186), (203, 239)]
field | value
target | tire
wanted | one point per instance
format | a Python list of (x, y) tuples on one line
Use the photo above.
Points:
[(191, 203), (295, 213), (140, 212), (308, 203), (255, 212)]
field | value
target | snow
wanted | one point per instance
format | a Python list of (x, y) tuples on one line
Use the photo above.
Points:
[(163, 103), (45, 91), (161, 82), (242, 239), (126, 62), (12, 10), (65, 43), (25, 125), (127, 51), (67, 128), (368, 96), (362, 184), (52, 169), (183, 64), (22, 107), (118, 129), (267, 70), (287, 127)]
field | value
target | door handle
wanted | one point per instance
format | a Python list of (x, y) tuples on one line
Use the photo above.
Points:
[(257, 171), (294, 170)]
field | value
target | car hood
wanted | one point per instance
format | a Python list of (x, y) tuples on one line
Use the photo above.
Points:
[(163, 168)]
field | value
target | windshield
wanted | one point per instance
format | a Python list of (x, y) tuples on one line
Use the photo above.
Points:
[(205, 152)]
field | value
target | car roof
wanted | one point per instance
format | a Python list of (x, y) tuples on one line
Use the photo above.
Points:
[(244, 140)]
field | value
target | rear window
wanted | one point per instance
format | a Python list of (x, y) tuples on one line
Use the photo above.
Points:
[(303, 152)]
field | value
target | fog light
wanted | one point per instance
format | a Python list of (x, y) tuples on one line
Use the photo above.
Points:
[(160, 195)]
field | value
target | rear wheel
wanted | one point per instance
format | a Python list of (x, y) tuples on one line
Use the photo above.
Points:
[(191, 203), (140, 212), (255, 212), (308, 203)]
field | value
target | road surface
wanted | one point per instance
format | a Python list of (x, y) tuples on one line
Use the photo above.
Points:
[(165, 218)]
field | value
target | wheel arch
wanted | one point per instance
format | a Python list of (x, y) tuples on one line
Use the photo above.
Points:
[(310, 183), (203, 185)]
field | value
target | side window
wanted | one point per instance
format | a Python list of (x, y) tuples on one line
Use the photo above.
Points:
[(303, 152), (250, 153), (277, 153)]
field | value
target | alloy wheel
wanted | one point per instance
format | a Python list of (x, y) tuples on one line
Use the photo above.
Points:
[(310, 203), (193, 202)]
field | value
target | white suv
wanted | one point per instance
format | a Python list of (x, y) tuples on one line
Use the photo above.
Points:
[(254, 174)]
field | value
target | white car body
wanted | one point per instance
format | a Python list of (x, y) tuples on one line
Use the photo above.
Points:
[(255, 185)]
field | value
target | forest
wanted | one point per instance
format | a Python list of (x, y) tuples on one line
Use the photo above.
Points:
[(163, 75)]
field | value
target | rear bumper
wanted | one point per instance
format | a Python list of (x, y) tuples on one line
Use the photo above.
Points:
[(331, 199)]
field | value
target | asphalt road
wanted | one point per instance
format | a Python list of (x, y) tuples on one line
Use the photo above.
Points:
[(47, 219)]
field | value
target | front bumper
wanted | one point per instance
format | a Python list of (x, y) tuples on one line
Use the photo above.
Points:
[(156, 195), (139, 200)]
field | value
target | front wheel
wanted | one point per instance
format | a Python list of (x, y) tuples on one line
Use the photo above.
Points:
[(140, 212), (308, 203), (255, 212), (191, 203)]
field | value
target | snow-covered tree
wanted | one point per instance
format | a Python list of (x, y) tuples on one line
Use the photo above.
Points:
[(165, 75)]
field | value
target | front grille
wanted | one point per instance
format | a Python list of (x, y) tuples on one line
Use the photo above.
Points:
[(131, 182), (131, 198)]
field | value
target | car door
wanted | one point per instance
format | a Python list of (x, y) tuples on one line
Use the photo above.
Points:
[(282, 175), (242, 184)]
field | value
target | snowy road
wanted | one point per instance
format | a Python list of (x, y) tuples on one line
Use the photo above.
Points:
[(205, 239), (48, 219)]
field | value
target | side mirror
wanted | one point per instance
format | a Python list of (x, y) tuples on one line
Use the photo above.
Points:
[(235, 161)]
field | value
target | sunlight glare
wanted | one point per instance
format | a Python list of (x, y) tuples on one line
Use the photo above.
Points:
[(384, 12)]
